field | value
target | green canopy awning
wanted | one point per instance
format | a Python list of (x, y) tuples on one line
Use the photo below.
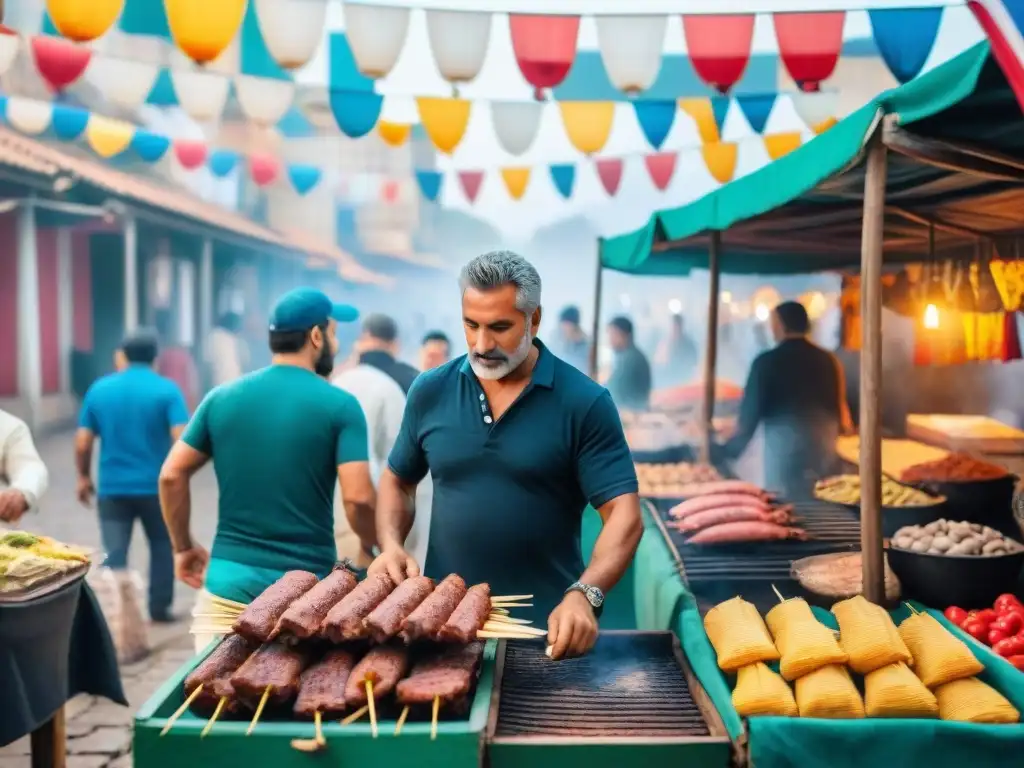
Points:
[(803, 212)]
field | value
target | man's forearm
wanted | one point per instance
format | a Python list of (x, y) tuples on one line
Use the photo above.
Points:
[(83, 458), (616, 544), (176, 506), (361, 519), (395, 500)]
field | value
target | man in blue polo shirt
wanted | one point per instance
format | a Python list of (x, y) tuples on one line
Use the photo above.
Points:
[(517, 442), (136, 414), (280, 438)]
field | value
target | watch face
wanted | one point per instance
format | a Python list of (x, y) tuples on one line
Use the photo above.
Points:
[(595, 596)]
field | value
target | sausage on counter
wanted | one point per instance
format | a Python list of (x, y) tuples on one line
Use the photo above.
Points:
[(322, 688), (432, 613), (304, 616), (222, 662), (386, 619), (469, 617), (750, 530), (711, 517), (383, 666), (345, 621), (446, 674), (276, 666), (698, 504), (259, 619)]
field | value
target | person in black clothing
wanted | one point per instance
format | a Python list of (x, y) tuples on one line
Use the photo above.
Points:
[(630, 381), (798, 392), (378, 345)]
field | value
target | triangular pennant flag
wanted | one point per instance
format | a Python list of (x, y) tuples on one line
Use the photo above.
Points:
[(661, 167), (108, 137), (60, 62), (150, 146), (564, 178), (609, 170), (355, 112), (700, 111), (588, 124), (394, 134), (222, 162), (304, 177), (430, 184), (68, 122), (757, 108), (471, 182), (905, 38), (655, 119), (720, 159), (720, 109), (83, 20), (190, 153), (444, 120), (779, 144), (264, 169), (516, 181)]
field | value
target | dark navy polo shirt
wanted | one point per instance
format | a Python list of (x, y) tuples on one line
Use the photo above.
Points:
[(509, 495)]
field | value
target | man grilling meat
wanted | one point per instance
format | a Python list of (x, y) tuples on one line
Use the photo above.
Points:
[(517, 442)]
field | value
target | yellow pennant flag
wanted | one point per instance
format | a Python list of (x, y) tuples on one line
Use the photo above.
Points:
[(720, 158), (588, 124), (516, 181), (444, 120)]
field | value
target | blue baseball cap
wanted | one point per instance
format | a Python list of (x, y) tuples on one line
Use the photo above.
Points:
[(302, 308)]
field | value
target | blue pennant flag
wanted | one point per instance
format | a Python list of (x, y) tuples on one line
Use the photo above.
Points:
[(68, 123), (356, 112), (655, 119), (430, 184), (757, 108), (564, 178), (304, 177), (150, 146), (905, 38), (222, 162)]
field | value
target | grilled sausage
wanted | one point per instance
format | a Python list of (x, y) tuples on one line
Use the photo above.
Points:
[(467, 619), (259, 619), (692, 490), (446, 674), (219, 665), (432, 613), (383, 666), (275, 666), (345, 621), (749, 530), (322, 687), (710, 517), (700, 504), (303, 618), (386, 619)]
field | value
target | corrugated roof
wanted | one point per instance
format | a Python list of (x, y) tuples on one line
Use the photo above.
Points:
[(27, 154)]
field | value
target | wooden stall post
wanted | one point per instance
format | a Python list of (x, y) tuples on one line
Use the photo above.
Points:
[(871, 372), (711, 348), (49, 743), (595, 326)]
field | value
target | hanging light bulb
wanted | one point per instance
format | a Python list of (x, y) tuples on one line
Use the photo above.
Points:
[(761, 312), (931, 317), (675, 306)]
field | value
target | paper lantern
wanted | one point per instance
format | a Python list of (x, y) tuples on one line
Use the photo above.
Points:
[(203, 29), (631, 48), (122, 82), (60, 62), (809, 45), (10, 44), (563, 176), (444, 120), (661, 167), (190, 153), (264, 100), (588, 124), (264, 169), (202, 95), (779, 144), (107, 137), (291, 29), (719, 47), (702, 112), (516, 181), (816, 107), (545, 48), (516, 124), (720, 159), (355, 112), (27, 115), (83, 20), (609, 171), (68, 122), (470, 181), (459, 42), (376, 34), (394, 134)]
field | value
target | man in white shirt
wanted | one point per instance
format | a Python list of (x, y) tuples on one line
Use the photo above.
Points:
[(23, 476), (226, 352), (380, 383)]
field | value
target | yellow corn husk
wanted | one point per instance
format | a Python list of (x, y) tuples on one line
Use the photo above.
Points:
[(759, 691), (939, 657), (738, 634), (895, 691), (868, 635), (829, 692), (804, 643), (969, 700)]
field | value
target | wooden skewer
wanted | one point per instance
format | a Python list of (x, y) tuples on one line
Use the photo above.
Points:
[(259, 709), (216, 713), (510, 598), (912, 609), (502, 611), (373, 708), (349, 719), (181, 710), (778, 594), (315, 744), (505, 619), (401, 719), (515, 629), (232, 604), (433, 718), (486, 634), (506, 606), (319, 724)]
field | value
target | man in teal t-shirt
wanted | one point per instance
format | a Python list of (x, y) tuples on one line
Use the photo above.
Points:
[(279, 438)]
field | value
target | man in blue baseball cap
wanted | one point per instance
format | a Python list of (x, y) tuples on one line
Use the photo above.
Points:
[(279, 438)]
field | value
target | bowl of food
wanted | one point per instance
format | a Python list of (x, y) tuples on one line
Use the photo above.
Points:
[(975, 491), (902, 505), (950, 562)]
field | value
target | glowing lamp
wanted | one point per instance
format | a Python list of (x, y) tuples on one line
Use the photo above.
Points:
[(931, 316)]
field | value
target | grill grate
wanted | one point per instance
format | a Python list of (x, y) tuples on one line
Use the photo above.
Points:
[(629, 685)]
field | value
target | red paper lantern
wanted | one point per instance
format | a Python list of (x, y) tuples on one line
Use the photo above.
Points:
[(719, 48), (809, 45), (60, 62), (545, 48), (190, 153), (263, 169)]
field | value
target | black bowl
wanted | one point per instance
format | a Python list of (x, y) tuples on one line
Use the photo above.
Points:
[(940, 581), (988, 502), (894, 518)]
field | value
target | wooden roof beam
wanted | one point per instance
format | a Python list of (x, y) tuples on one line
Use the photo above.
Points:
[(953, 157)]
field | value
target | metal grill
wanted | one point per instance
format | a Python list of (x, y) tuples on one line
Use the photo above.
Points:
[(631, 685)]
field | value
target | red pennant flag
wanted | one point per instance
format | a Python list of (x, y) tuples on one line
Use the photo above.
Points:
[(545, 48), (809, 45), (60, 62), (609, 170), (190, 153), (471, 181), (661, 167), (719, 48), (389, 192), (264, 169)]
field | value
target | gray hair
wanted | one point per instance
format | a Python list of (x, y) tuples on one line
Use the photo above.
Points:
[(497, 268)]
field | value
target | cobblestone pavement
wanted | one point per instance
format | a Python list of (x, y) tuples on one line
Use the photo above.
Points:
[(99, 732)]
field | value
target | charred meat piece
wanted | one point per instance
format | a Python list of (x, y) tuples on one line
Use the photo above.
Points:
[(222, 661), (383, 666), (446, 674), (322, 687), (345, 621), (467, 619), (259, 619), (386, 619), (275, 666), (432, 613), (304, 616)]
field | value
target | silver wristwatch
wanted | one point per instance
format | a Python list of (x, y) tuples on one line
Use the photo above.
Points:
[(594, 595)]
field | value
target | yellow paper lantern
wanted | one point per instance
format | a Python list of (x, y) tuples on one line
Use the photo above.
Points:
[(108, 137), (394, 134), (703, 115), (444, 120), (779, 144), (516, 181), (83, 20), (203, 29), (588, 124), (720, 158)]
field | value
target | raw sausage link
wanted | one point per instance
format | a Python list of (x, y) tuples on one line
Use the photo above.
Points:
[(433, 612), (691, 490), (322, 688), (387, 618), (383, 666), (715, 501), (710, 517), (274, 665), (751, 530), (259, 619), (345, 620), (304, 616), (468, 617)]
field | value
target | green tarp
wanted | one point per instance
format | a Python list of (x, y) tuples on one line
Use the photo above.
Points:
[(802, 212)]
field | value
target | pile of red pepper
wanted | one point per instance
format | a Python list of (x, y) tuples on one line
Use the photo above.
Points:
[(1001, 627)]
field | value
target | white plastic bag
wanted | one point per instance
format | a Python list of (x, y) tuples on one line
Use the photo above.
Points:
[(120, 594)]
